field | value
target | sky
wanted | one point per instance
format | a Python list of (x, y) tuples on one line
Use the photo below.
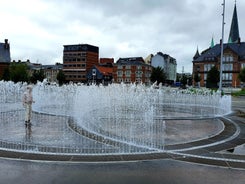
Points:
[(38, 29)]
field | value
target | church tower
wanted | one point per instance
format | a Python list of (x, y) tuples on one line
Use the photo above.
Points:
[(234, 36)]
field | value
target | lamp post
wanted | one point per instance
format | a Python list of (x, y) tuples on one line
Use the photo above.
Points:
[(222, 47)]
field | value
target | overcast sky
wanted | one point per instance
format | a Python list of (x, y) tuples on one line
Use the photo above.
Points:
[(38, 29)]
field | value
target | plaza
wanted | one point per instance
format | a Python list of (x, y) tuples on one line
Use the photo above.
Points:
[(55, 149)]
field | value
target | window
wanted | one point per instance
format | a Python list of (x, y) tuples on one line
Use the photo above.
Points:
[(128, 73), (227, 58), (139, 67), (120, 67), (207, 67), (242, 65), (227, 67), (119, 73), (227, 76), (128, 67)]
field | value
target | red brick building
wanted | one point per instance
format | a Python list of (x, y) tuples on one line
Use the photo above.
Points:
[(233, 58), (78, 60), (132, 70)]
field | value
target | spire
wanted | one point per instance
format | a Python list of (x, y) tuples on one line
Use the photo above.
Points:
[(212, 42), (234, 36), (196, 55)]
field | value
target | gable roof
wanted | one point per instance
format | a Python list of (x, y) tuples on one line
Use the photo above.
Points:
[(131, 61), (214, 52)]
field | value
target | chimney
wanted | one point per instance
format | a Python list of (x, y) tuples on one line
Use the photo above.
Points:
[(6, 44), (239, 40)]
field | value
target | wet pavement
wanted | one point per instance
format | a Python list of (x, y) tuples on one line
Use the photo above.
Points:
[(164, 170)]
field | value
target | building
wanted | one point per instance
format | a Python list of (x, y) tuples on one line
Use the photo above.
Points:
[(132, 70), (148, 59), (78, 60), (100, 75), (168, 64), (4, 57), (106, 61), (233, 58), (51, 71)]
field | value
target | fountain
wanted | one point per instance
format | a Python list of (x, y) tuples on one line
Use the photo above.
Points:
[(99, 120)]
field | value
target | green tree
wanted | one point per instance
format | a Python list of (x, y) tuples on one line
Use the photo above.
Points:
[(183, 80), (61, 77), (19, 72), (197, 79), (38, 75), (241, 75), (213, 78), (158, 75), (6, 74)]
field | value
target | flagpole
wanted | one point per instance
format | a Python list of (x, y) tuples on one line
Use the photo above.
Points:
[(222, 47)]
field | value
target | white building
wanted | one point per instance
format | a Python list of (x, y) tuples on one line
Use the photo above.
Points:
[(167, 63)]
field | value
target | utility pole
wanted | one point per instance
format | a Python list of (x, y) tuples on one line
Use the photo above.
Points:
[(222, 47)]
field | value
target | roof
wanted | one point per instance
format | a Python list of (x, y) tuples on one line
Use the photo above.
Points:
[(4, 53), (131, 61), (105, 70), (212, 54), (234, 31), (81, 47)]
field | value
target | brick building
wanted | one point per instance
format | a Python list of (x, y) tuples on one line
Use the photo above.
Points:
[(132, 70), (233, 58), (78, 60)]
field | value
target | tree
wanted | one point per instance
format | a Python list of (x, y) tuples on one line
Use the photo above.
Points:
[(213, 78), (158, 75), (241, 75), (197, 79), (18, 72), (183, 80), (6, 74), (38, 75), (61, 77)]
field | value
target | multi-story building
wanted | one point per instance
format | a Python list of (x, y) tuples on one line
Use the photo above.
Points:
[(168, 64), (233, 58), (4, 57), (78, 60), (132, 70)]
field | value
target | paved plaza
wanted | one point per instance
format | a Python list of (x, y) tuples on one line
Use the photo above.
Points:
[(207, 164)]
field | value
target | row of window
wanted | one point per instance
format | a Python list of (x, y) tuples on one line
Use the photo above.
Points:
[(129, 73), (128, 80), (225, 67), (228, 58), (74, 65), (128, 67), (76, 76), (74, 59), (76, 54), (225, 76)]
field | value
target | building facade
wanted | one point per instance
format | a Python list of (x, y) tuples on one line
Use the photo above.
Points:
[(78, 60), (132, 70), (167, 63), (100, 75), (233, 58), (5, 58)]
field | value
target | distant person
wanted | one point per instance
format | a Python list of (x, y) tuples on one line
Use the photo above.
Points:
[(27, 101)]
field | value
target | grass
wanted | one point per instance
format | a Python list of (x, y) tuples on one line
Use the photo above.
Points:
[(239, 93)]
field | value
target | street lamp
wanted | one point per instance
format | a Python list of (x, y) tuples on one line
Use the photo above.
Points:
[(222, 47)]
